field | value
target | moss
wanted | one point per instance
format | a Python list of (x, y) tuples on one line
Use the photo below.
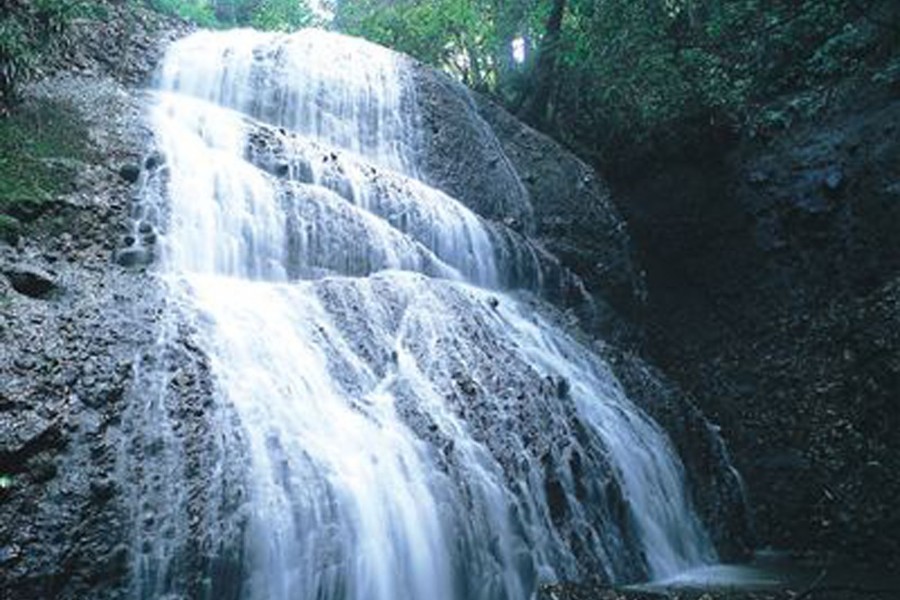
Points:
[(36, 142)]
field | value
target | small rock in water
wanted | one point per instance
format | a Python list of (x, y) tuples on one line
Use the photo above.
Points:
[(154, 160), (134, 257), (130, 172)]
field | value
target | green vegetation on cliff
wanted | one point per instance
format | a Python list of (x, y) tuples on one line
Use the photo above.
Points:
[(38, 144), (272, 15)]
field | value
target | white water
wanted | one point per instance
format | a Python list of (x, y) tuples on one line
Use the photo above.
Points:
[(411, 435)]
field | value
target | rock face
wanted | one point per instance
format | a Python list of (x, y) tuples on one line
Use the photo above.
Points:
[(462, 157), (80, 347), (717, 488), (69, 345), (524, 179), (528, 181), (574, 214), (772, 273)]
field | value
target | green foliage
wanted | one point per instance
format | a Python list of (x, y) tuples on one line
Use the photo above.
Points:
[(624, 69), (37, 142), (28, 28), (196, 11), (281, 15), (271, 15), (471, 39)]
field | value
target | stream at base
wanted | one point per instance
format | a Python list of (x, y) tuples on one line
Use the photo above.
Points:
[(779, 571)]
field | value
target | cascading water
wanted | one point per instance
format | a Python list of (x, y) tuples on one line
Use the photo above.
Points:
[(413, 432)]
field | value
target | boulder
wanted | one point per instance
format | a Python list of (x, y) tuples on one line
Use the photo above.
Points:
[(31, 281)]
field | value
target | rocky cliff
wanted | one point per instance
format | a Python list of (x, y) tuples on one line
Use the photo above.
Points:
[(77, 328), (772, 267), (529, 182)]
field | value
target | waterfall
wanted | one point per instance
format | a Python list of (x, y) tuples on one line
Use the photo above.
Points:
[(415, 429)]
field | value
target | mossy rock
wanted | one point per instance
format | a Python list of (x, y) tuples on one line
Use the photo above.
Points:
[(25, 209), (10, 229), (38, 143)]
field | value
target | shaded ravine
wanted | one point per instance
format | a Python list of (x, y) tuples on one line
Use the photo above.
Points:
[(413, 430)]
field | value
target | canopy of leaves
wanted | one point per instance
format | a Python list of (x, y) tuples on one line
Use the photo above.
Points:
[(622, 69), (271, 15), (469, 38)]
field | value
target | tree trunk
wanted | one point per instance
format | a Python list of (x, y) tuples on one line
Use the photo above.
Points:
[(535, 108)]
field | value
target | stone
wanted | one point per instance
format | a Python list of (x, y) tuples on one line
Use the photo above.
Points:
[(10, 230), (102, 490), (134, 257), (31, 281), (9, 554), (154, 160), (834, 179), (130, 172)]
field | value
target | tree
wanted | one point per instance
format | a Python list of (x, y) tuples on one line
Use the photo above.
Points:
[(282, 15), (535, 107), (603, 74), (271, 15)]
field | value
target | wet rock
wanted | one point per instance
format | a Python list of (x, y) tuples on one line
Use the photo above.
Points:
[(23, 435), (757, 177), (42, 470), (556, 499), (57, 530), (9, 554), (31, 281), (10, 230), (756, 284), (134, 257), (154, 160), (515, 175), (99, 396), (834, 179), (130, 172), (103, 490)]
